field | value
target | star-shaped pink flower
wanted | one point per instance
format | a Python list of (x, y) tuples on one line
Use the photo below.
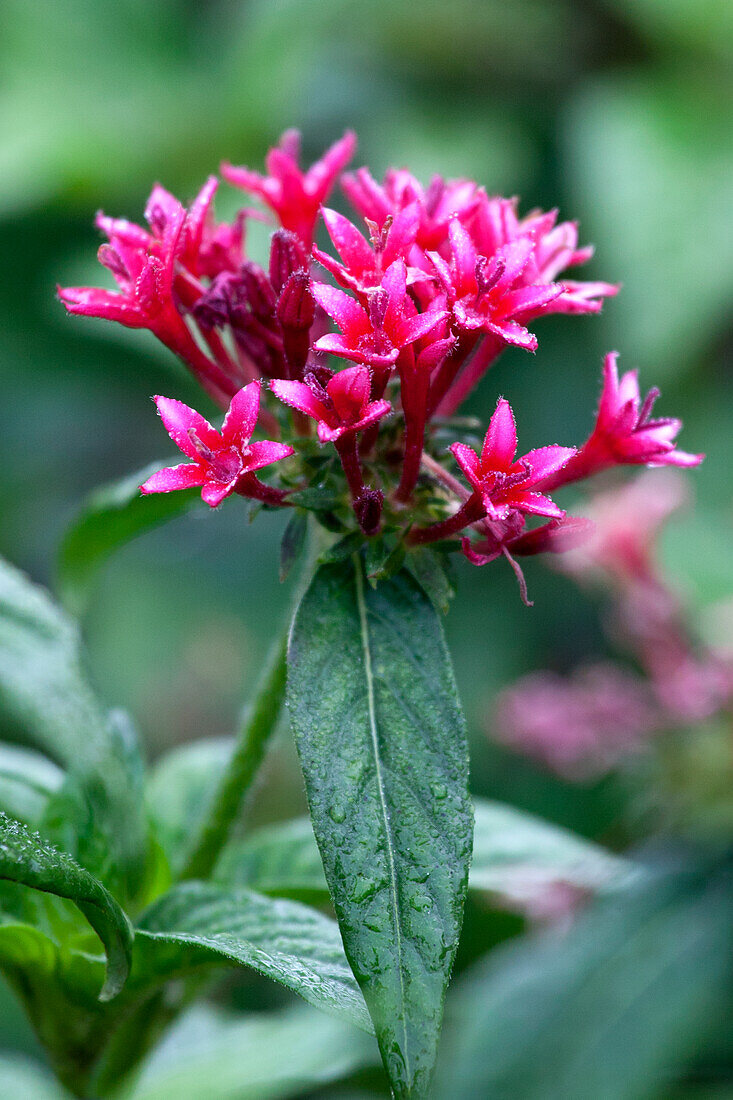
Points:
[(340, 408), (503, 483), (375, 335), (223, 462), (292, 194), (490, 294)]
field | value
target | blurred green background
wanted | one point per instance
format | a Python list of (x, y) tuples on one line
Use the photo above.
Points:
[(617, 111)]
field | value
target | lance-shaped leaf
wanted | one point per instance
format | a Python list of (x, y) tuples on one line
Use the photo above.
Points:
[(24, 858), (47, 702), (196, 923), (111, 516), (267, 1056), (517, 858), (382, 743)]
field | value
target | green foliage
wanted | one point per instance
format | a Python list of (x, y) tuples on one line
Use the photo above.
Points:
[(27, 781), (45, 698), (611, 1007), (261, 1057), (195, 924), (25, 859), (178, 791), (110, 517), (382, 745), (516, 857)]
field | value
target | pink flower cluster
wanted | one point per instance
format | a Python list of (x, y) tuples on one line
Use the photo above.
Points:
[(432, 284)]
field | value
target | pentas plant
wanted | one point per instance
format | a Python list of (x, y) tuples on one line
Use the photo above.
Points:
[(339, 367)]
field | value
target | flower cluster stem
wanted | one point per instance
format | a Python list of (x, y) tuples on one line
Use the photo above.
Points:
[(249, 751)]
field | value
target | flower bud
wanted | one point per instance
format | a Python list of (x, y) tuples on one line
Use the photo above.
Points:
[(368, 510)]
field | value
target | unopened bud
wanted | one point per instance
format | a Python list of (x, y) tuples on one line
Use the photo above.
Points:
[(287, 255), (258, 290), (296, 307), (368, 510)]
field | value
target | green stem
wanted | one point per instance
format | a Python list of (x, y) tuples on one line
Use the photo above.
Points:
[(249, 751)]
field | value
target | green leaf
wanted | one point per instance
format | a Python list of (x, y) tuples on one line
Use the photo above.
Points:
[(343, 548), (280, 859), (610, 1007), (429, 569), (383, 748), (25, 859), (198, 923), (27, 781), (293, 542), (111, 516), (517, 857), (316, 500), (210, 1053), (179, 790), (46, 701), (383, 557)]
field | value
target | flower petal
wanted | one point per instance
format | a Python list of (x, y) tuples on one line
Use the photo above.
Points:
[(536, 504), (348, 242), (241, 418), (264, 453), (546, 461), (468, 460), (185, 476), (181, 422), (299, 396), (347, 313), (500, 441)]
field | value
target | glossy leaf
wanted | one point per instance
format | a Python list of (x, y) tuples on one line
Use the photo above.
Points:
[(25, 859), (47, 702), (382, 744), (258, 1057), (609, 1007), (27, 781), (110, 517), (197, 923), (517, 858)]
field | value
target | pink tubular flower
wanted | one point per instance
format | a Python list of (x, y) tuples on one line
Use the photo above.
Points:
[(375, 335), (151, 270), (503, 483), (341, 407), (436, 204), (624, 433), (363, 264), (490, 293), (555, 248), (293, 195), (223, 462)]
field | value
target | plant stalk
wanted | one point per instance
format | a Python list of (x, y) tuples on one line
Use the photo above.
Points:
[(249, 751)]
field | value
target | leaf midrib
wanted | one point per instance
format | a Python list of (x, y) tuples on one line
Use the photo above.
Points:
[(369, 675)]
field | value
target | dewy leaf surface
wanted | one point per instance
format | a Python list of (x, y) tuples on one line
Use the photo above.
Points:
[(24, 858), (516, 858), (197, 923), (382, 743)]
